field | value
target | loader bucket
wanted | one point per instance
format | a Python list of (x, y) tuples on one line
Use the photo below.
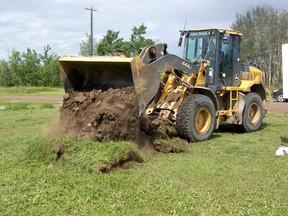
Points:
[(88, 73)]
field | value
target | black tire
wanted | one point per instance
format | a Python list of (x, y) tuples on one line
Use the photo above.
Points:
[(195, 120), (253, 113), (280, 97)]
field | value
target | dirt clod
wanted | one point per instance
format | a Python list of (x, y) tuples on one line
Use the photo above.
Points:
[(125, 162), (60, 150), (167, 148)]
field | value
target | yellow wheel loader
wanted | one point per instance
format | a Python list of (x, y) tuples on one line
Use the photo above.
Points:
[(194, 94)]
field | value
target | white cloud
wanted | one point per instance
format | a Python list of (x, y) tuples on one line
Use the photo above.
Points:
[(62, 24)]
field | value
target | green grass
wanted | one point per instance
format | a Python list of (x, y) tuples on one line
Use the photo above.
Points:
[(230, 174), (32, 90), (25, 105)]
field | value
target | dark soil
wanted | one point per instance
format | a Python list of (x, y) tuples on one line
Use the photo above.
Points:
[(108, 115), (104, 115)]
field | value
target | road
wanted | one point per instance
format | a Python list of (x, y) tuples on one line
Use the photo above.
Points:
[(48, 98), (272, 106), (277, 106)]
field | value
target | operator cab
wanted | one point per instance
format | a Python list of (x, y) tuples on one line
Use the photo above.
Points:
[(221, 48)]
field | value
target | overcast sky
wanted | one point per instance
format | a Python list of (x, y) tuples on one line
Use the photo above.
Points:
[(62, 24)]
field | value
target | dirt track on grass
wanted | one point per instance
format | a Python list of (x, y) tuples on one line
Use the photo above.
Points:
[(48, 98), (278, 106)]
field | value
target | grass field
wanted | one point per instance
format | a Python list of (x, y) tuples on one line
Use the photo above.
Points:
[(231, 174), (32, 90)]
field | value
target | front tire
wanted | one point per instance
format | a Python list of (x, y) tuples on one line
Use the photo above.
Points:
[(280, 97), (253, 113), (196, 118)]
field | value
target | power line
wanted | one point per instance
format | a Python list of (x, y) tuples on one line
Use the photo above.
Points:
[(91, 27)]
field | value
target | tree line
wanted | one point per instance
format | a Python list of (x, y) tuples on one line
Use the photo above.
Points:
[(265, 30), (30, 68), (112, 43)]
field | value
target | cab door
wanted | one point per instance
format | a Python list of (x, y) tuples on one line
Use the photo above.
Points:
[(230, 66)]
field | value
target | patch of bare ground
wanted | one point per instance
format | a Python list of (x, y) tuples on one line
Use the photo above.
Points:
[(277, 106)]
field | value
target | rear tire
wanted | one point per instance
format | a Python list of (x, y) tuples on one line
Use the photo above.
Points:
[(196, 118), (253, 113)]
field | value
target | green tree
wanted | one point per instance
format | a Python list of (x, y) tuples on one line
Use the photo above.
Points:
[(85, 46), (113, 43), (110, 43), (264, 33), (14, 69), (49, 70), (6, 78), (30, 69), (138, 41)]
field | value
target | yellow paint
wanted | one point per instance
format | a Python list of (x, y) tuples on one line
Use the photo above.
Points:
[(106, 59), (228, 31)]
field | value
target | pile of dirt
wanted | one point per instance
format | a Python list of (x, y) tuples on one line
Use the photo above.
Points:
[(104, 115), (108, 115)]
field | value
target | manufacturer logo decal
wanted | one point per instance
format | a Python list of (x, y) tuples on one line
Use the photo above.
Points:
[(186, 64)]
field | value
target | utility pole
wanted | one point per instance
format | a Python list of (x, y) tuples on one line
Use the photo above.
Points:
[(91, 27)]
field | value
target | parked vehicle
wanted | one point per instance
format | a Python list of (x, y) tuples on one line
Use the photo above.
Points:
[(278, 95)]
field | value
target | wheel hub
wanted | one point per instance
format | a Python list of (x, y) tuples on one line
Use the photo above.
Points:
[(203, 120), (254, 114)]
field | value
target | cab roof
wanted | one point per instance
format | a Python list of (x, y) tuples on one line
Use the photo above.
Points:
[(228, 31)]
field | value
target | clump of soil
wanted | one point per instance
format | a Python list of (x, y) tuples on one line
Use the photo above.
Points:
[(164, 148), (104, 115), (125, 162)]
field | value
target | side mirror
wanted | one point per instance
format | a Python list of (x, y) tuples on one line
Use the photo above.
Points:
[(180, 41), (181, 38)]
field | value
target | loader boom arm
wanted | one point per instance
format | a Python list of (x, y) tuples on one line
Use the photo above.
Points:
[(147, 67)]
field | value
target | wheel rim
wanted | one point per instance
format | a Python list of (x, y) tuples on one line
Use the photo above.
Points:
[(203, 120), (254, 113), (280, 98)]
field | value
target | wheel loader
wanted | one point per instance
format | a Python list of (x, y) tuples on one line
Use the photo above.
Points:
[(193, 94)]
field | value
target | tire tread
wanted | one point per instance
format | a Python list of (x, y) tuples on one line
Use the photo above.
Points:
[(185, 111)]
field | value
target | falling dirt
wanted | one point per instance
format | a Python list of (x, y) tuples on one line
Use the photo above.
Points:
[(103, 116)]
